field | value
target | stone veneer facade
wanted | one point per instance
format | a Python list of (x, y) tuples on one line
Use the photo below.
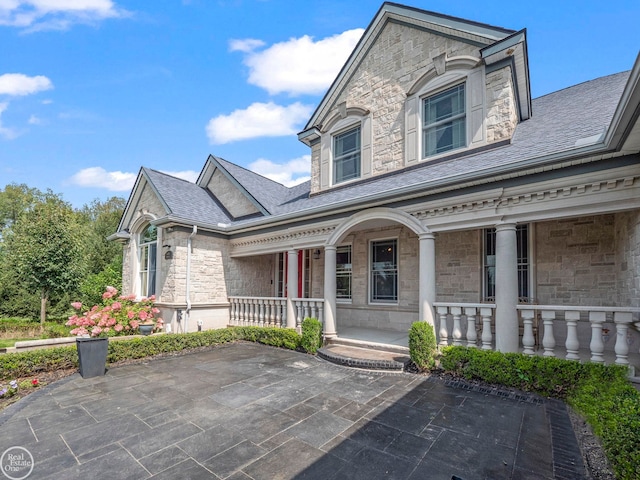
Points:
[(400, 57)]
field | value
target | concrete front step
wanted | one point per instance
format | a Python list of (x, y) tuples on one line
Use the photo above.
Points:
[(368, 345), (366, 358)]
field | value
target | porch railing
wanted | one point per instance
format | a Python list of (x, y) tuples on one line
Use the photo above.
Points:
[(479, 318), (571, 317), (272, 311), (308, 307), (472, 324), (258, 311)]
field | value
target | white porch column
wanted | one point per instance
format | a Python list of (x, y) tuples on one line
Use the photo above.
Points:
[(427, 277), (329, 291), (292, 287), (506, 288)]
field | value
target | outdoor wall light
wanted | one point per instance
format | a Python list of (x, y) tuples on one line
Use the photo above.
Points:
[(316, 254)]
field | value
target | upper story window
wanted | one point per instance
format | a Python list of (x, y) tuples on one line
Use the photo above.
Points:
[(444, 121), (147, 250), (346, 155)]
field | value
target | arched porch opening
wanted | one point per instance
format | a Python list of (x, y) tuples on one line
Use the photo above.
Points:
[(392, 272)]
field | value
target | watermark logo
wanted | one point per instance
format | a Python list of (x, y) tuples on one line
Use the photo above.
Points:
[(16, 463)]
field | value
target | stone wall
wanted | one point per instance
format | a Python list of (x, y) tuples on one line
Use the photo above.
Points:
[(459, 266), (251, 276), (401, 56), (359, 312), (627, 228), (576, 261), (228, 194), (501, 106)]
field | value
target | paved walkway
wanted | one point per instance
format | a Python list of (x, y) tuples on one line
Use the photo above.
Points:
[(246, 411)]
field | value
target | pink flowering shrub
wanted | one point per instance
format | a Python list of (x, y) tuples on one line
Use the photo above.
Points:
[(116, 315)]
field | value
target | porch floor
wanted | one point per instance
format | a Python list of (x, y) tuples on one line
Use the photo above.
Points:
[(374, 336)]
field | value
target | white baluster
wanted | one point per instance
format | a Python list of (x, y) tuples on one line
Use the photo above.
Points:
[(232, 311), (622, 321), (457, 332), (596, 345), (572, 343), (283, 318), (261, 313), (272, 312), (472, 335), (487, 337), (528, 340), (548, 340), (298, 312), (306, 311), (321, 312), (444, 333)]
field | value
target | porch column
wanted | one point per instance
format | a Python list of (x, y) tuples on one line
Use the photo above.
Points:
[(427, 277), (292, 287), (506, 288), (329, 291)]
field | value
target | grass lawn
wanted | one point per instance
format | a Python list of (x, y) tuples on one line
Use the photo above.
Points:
[(9, 342)]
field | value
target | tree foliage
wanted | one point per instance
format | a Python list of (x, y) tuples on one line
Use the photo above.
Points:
[(51, 253), (44, 249)]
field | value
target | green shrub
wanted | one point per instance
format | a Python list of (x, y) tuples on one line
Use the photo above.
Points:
[(25, 364), (422, 345), (311, 339), (601, 393), (31, 363)]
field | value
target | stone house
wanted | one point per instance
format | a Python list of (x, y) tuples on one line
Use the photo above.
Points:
[(440, 191)]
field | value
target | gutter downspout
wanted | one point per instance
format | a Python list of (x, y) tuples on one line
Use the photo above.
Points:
[(188, 283)]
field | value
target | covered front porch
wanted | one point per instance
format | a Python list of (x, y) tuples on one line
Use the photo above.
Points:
[(556, 288), (584, 333)]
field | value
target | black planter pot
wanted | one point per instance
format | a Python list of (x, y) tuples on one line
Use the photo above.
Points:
[(92, 356)]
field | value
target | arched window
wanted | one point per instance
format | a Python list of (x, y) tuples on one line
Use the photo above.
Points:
[(148, 247)]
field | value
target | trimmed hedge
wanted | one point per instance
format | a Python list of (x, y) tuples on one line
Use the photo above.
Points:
[(311, 339), (601, 393), (31, 363), (422, 345)]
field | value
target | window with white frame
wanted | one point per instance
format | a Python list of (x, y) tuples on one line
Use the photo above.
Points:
[(384, 271), (444, 121), (346, 155), (148, 247), (489, 262), (343, 272)]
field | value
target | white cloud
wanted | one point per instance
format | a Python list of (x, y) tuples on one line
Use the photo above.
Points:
[(6, 132), (245, 45), (36, 15), (18, 84), (289, 173), (98, 177), (299, 65), (117, 181), (35, 120), (257, 120)]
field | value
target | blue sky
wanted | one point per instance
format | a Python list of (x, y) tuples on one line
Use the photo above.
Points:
[(91, 90)]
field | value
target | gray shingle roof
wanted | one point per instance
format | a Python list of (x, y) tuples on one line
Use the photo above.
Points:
[(185, 199), (559, 120), (266, 192)]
